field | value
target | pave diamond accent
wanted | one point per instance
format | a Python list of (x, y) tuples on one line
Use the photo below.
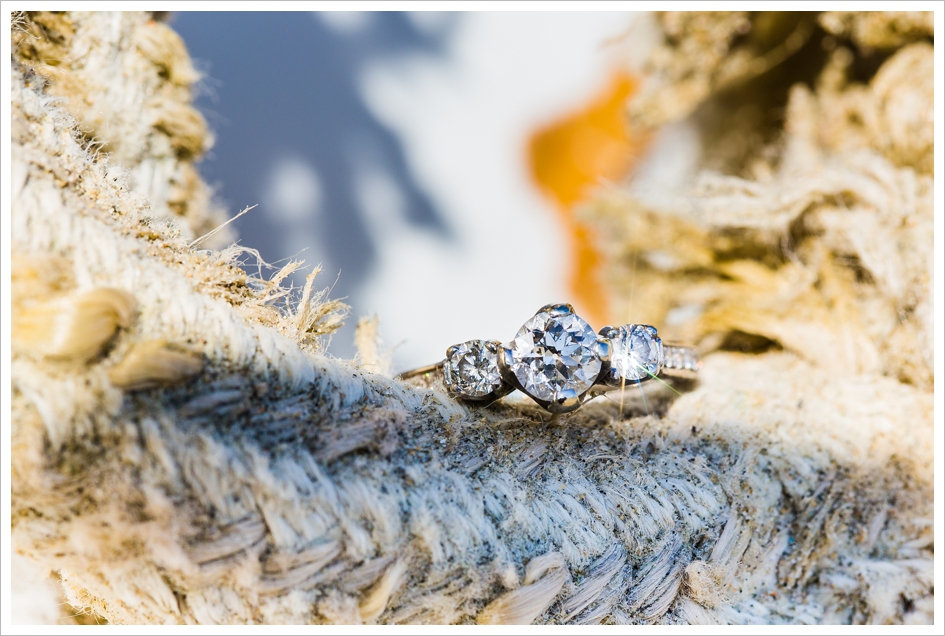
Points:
[(472, 369), (685, 358), (555, 352), (637, 353)]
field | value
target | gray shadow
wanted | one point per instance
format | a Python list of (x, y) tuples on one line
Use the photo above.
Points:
[(285, 84)]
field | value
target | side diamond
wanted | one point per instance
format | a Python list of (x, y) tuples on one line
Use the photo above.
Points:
[(638, 353), (472, 369)]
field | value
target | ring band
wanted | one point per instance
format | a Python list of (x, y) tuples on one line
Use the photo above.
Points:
[(558, 361)]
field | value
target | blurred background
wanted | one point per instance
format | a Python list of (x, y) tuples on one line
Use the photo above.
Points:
[(429, 162)]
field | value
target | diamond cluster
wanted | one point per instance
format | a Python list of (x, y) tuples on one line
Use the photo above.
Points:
[(471, 369), (556, 358), (555, 352), (637, 353)]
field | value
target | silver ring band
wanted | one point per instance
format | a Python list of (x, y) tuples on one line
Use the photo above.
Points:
[(558, 361)]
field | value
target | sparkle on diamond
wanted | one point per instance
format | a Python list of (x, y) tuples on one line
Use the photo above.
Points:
[(473, 370), (551, 353), (637, 353)]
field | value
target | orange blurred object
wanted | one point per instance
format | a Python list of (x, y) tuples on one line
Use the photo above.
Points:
[(571, 156)]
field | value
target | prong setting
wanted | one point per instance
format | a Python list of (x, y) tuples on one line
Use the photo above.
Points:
[(604, 349), (505, 360), (607, 332), (565, 400), (557, 309)]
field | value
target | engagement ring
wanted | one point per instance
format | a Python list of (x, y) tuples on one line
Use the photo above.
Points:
[(557, 360)]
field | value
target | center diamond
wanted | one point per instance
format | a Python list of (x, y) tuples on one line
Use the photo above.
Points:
[(553, 352)]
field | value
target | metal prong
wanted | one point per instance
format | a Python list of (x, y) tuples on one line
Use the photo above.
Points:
[(607, 332), (557, 309), (604, 348), (565, 400), (451, 350), (504, 358)]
